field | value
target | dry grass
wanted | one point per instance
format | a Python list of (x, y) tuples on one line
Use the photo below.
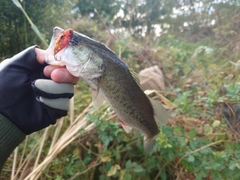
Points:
[(59, 143)]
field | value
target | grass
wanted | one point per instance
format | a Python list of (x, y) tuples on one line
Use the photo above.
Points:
[(58, 144)]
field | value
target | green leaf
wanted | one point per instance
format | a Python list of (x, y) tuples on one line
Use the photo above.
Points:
[(128, 164), (192, 133), (163, 175), (106, 158), (232, 165), (237, 154), (167, 130), (201, 174), (213, 165), (208, 129), (138, 169), (128, 177), (112, 171), (192, 145), (238, 165), (216, 123), (178, 130), (170, 155), (190, 158)]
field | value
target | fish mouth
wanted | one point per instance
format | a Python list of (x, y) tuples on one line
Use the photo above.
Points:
[(50, 56), (61, 38), (51, 59)]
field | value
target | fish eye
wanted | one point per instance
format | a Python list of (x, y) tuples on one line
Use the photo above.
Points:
[(74, 41)]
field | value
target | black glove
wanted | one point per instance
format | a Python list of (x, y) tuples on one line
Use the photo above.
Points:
[(28, 98)]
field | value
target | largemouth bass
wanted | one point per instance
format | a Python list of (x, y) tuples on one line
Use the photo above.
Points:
[(109, 78)]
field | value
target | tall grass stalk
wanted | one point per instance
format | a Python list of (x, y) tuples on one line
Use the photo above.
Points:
[(14, 163), (33, 26)]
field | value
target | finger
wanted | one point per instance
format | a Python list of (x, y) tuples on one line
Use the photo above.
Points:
[(62, 75), (61, 103), (50, 89), (40, 55), (49, 69)]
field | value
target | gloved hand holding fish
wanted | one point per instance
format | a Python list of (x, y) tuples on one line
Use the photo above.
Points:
[(110, 80)]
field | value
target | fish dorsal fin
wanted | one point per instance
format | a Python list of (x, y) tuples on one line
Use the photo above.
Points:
[(135, 76), (97, 98), (160, 113)]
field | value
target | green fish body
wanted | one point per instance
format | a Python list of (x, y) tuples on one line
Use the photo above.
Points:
[(111, 79)]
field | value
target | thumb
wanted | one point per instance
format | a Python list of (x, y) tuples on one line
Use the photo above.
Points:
[(40, 55)]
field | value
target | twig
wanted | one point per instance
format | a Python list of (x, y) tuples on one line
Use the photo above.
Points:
[(144, 58), (217, 70), (24, 149), (26, 159), (14, 163), (157, 177), (80, 173), (67, 138), (41, 147), (56, 133), (108, 29), (88, 149)]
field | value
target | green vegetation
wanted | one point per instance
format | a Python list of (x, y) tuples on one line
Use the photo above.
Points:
[(198, 51)]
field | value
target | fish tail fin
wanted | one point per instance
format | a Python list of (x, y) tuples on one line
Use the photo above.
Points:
[(148, 144), (160, 113)]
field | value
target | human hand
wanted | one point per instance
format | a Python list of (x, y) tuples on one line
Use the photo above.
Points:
[(28, 97), (57, 74)]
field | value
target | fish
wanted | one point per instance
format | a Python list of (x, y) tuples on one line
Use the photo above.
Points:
[(110, 79)]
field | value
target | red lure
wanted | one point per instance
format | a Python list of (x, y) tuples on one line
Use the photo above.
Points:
[(63, 40)]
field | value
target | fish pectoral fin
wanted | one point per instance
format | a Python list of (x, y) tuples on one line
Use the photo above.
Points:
[(126, 128), (160, 113), (97, 98)]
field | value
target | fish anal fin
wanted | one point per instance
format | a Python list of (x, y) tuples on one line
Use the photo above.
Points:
[(97, 98), (126, 128), (148, 144), (160, 113)]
